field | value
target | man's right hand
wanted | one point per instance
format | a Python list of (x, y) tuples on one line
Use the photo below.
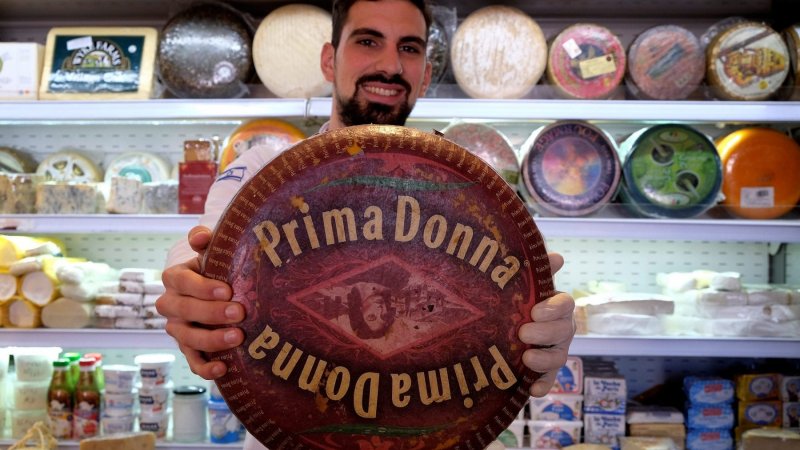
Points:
[(192, 301)]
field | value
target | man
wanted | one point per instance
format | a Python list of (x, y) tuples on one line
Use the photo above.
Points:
[(377, 63)]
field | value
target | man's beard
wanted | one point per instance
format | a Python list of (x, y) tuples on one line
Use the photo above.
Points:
[(352, 112)]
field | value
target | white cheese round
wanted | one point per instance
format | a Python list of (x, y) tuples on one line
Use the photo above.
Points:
[(69, 166), (286, 51), (498, 52), (142, 166)]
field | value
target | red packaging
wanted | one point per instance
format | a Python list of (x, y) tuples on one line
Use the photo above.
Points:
[(194, 181)]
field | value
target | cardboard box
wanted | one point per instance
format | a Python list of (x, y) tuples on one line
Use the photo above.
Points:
[(194, 180), (20, 70)]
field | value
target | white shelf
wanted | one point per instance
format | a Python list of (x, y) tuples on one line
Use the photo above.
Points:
[(581, 345), (716, 230), (426, 108)]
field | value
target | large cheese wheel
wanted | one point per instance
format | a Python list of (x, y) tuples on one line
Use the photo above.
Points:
[(760, 168), (489, 144), (275, 134), (586, 61), (15, 161), (286, 50), (665, 62), (792, 37), (70, 166), (670, 171), (142, 166), (498, 52), (570, 168), (205, 51), (748, 61)]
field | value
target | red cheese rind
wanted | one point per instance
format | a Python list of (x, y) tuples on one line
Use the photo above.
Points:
[(666, 63)]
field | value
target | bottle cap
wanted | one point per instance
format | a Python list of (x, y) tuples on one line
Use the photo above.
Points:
[(189, 390)]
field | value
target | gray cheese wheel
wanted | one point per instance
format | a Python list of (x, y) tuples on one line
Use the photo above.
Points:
[(286, 51), (498, 52)]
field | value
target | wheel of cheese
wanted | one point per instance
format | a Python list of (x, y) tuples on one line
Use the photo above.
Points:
[(15, 161), (792, 37), (665, 62), (438, 51), (489, 144), (569, 168), (286, 51), (586, 61), (670, 171), (385, 273), (748, 61), (275, 134), (718, 27), (142, 166), (205, 51), (760, 167), (68, 165), (498, 52)]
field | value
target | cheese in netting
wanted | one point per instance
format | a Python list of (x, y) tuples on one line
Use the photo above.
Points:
[(665, 62), (748, 61), (99, 63), (760, 167), (69, 166), (498, 52), (286, 51), (586, 61)]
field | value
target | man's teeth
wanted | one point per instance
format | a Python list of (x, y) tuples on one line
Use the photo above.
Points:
[(381, 91)]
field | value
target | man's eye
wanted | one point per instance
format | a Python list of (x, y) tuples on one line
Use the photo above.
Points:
[(366, 42), (410, 49)]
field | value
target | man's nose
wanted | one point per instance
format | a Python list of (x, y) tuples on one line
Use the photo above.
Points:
[(389, 62)]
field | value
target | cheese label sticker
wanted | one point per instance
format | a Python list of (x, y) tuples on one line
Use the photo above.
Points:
[(758, 197), (385, 273), (595, 67), (572, 48), (96, 64)]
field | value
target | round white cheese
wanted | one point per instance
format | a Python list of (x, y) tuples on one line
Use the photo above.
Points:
[(286, 51), (8, 286), (142, 166), (69, 166), (14, 161), (498, 52)]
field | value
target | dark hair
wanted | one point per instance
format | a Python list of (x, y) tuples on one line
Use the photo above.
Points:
[(355, 313), (342, 7)]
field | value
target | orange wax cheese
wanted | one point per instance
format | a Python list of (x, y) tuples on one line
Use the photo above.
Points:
[(760, 167)]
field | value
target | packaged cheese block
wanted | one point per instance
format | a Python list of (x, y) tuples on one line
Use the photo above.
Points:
[(16, 247), (98, 63), (569, 379), (765, 413), (758, 386), (791, 415), (16, 161), (670, 171), (68, 198), (489, 144), (39, 287), (77, 272), (586, 61), (8, 286), (760, 167), (748, 61), (142, 440), (68, 165), (142, 166), (726, 281), (569, 168), (650, 414), (67, 313), (286, 51), (160, 197), (770, 438), (498, 52), (140, 274), (768, 295), (557, 407), (627, 303), (21, 67), (623, 324), (603, 428), (647, 443), (790, 388), (18, 193), (20, 313), (792, 37), (205, 51), (125, 196), (275, 134), (711, 417), (391, 248), (665, 62)]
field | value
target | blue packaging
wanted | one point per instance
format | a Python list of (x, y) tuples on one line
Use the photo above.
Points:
[(224, 427), (709, 440), (709, 390), (710, 417)]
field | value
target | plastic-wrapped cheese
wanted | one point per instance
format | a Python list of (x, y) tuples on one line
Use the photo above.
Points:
[(286, 51), (39, 287), (69, 166), (18, 193), (489, 144), (748, 61), (670, 171), (8, 286), (570, 168), (68, 198), (760, 167), (13, 248), (498, 52), (67, 313), (665, 62), (20, 313), (274, 134), (125, 196), (586, 61)]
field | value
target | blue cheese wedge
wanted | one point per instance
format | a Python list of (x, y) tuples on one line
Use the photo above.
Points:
[(99, 63), (125, 196)]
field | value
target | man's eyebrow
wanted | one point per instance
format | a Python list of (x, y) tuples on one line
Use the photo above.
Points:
[(375, 33)]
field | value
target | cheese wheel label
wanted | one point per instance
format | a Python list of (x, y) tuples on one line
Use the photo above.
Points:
[(597, 66), (96, 64), (385, 273), (758, 197)]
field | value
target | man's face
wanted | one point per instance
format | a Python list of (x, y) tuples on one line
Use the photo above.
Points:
[(379, 69), (374, 311)]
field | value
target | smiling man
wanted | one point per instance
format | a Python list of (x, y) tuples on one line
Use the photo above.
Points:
[(377, 63)]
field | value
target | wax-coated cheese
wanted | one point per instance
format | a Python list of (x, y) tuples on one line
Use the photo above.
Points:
[(760, 167), (748, 61), (99, 63), (498, 52), (20, 70), (69, 166), (586, 61), (665, 62), (286, 51), (274, 134), (143, 440)]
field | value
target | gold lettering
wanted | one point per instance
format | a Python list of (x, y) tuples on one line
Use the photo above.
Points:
[(331, 390), (311, 384), (435, 225), (288, 231), (367, 381), (486, 245), (480, 377), (501, 275), (434, 394), (401, 234), (459, 231), (502, 375), (269, 244), (338, 217), (267, 340), (373, 228), (284, 369), (401, 384)]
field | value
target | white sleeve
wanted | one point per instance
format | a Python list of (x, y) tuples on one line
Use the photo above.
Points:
[(220, 194)]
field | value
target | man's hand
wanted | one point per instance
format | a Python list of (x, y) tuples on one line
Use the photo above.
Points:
[(192, 301), (552, 330)]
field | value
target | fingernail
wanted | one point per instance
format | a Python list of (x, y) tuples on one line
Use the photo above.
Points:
[(220, 293), (218, 371), (231, 337), (232, 312)]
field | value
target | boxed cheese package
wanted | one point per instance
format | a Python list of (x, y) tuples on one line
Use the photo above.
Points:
[(99, 63), (20, 70)]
